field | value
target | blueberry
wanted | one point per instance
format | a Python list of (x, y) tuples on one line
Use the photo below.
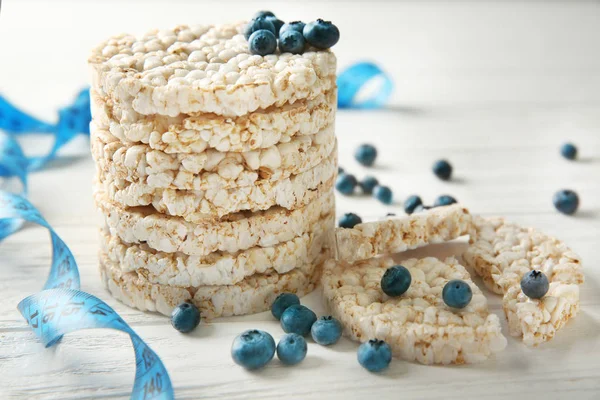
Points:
[(569, 151), (291, 42), (185, 317), (258, 24), (535, 284), (321, 34), (366, 154), (390, 215), (282, 302), (442, 169), (374, 355), (277, 23), (326, 331), (298, 319), (383, 194), (297, 26), (444, 200), (253, 349), (263, 13), (345, 184), (411, 203), (262, 42), (291, 349), (566, 201), (349, 221), (368, 184), (457, 294), (340, 170), (395, 281)]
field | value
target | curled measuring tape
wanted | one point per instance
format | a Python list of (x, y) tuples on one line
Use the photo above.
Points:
[(61, 307), (353, 79), (72, 121)]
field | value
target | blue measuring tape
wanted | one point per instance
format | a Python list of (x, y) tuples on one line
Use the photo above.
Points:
[(61, 307), (351, 80)]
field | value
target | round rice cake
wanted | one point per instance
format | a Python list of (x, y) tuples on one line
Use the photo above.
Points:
[(418, 325), (181, 270), (394, 235), (502, 252), (197, 132), (233, 233), (206, 205), (138, 163), (254, 294), (206, 69)]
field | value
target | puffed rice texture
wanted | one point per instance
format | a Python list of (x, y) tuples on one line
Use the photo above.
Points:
[(502, 252), (418, 326), (235, 232)]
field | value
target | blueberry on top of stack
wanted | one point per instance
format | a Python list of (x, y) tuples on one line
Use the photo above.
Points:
[(263, 31)]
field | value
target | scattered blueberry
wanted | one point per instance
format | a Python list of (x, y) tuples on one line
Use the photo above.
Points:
[(263, 13), (262, 42), (396, 281), (258, 24), (442, 169), (298, 319), (283, 301), (349, 221), (383, 194), (566, 201), (291, 349), (569, 151), (457, 294), (185, 317), (340, 170), (444, 200), (297, 26), (535, 284), (277, 23), (366, 154), (291, 42), (374, 355), (326, 331), (411, 203), (368, 184), (321, 34), (390, 215), (253, 349), (346, 183)]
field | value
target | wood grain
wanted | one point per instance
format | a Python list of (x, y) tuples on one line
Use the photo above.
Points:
[(495, 87)]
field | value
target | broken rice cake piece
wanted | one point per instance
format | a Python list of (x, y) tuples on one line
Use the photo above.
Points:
[(501, 253), (418, 325), (371, 239)]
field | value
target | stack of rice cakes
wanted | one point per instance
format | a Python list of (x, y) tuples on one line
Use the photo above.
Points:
[(215, 169)]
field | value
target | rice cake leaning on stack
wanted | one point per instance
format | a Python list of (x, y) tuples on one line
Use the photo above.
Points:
[(215, 169)]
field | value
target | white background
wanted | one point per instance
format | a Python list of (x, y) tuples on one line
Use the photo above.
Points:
[(495, 87)]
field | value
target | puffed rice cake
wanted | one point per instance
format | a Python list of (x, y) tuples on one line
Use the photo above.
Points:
[(395, 235), (418, 325), (252, 295), (197, 132), (206, 69), (211, 204), (219, 268), (233, 233), (138, 163), (502, 252)]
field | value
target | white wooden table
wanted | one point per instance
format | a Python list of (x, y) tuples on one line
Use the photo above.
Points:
[(495, 87)]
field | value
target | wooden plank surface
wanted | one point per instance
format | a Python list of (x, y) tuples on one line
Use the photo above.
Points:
[(495, 87)]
